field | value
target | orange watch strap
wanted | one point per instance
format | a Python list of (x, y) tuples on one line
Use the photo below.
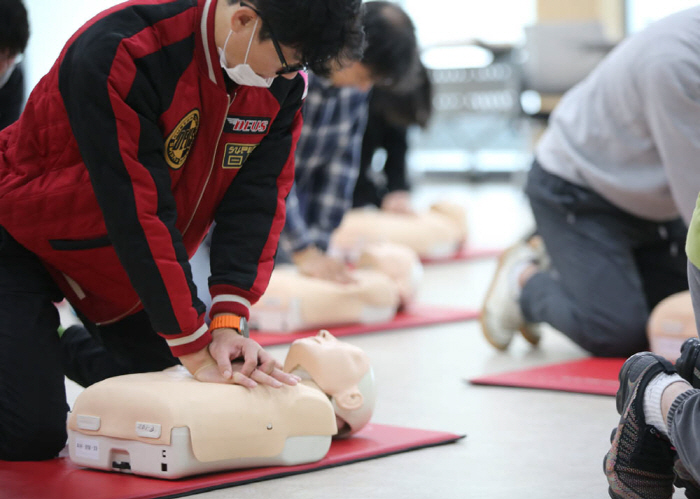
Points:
[(226, 320)]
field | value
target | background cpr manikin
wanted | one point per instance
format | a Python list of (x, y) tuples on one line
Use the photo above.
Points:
[(386, 277), (671, 323), (439, 232)]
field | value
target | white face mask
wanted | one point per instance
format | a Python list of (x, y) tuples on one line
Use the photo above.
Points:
[(243, 74)]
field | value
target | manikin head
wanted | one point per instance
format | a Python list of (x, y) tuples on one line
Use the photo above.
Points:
[(342, 371), (279, 37)]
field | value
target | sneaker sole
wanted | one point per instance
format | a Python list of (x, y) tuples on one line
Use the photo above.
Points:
[(484, 328), (611, 493), (532, 339), (494, 343)]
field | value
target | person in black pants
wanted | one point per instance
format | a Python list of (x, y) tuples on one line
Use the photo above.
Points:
[(157, 120)]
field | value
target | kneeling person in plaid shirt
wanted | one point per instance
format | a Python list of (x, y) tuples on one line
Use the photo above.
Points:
[(328, 153)]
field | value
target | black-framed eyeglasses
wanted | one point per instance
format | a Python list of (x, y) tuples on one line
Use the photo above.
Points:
[(286, 68)]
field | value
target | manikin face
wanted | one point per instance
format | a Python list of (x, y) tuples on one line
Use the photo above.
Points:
[(263, 57), (335, 355), (342, 371)]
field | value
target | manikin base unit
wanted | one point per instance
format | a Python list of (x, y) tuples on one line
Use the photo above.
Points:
[(169, 425)]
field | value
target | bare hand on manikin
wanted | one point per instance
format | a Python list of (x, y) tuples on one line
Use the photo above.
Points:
[(398, 202), (312, 262), (231, 358)]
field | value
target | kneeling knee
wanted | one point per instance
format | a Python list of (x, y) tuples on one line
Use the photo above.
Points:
[(33, 445), (622, 340)]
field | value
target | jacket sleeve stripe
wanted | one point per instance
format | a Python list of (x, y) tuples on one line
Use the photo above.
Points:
[(188, 339), (232, 299)]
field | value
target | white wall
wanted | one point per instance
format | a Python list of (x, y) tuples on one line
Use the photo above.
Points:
[(495, 21), (640, 13), (51, 23)]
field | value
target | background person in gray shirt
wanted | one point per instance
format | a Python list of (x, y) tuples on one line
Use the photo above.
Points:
[(615, 176)]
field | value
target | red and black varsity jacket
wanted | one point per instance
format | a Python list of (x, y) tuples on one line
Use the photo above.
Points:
[(126, 152)]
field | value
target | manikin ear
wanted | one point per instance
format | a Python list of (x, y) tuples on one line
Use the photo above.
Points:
[(241, 18), (350, 399)]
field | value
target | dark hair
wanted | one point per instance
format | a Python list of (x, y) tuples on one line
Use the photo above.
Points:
[(14, 27), (407, 107), (391, 51), (320, 30)]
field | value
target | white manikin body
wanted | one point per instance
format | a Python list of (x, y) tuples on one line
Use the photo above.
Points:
[(440, 232), (169, 425), (671, 323), (294, 302)]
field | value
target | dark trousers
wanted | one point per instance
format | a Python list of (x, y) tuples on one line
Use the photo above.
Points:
[(610, 268), (33, 360)]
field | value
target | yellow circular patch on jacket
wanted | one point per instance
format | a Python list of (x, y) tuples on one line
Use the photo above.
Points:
[(180, 140)]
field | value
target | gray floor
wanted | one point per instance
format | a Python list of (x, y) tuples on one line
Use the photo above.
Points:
[(520, 443)]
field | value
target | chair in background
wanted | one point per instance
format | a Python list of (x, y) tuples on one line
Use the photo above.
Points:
[(555, 57)]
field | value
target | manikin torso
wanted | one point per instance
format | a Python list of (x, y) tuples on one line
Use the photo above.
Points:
[(295, 302), (439, 232), (386, 276), (168, 425)]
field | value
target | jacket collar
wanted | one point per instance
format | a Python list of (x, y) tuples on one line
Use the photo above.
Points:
[(209, 62)]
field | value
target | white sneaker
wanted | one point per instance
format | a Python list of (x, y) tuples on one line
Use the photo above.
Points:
[(501, 316)]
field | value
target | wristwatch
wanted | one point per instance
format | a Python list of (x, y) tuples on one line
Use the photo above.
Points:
[(232, 321)]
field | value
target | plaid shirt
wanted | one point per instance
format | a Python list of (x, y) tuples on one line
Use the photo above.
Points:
[(327, 163)]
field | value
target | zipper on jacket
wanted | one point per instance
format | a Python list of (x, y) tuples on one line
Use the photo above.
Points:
[(213, 161)]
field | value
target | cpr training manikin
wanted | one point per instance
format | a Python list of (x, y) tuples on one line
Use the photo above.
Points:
[(169, 425), (437, 233), (385, 277), (385, 250)]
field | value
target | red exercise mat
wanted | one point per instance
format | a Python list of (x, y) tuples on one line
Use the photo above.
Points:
[(61, 479), (464, 254), (593, 375), (414, 316)]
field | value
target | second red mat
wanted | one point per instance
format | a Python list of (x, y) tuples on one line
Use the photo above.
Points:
[(594, 375), (465, 254), (415, 316)]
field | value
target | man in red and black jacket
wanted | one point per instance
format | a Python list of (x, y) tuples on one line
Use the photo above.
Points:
[(159, 118)]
